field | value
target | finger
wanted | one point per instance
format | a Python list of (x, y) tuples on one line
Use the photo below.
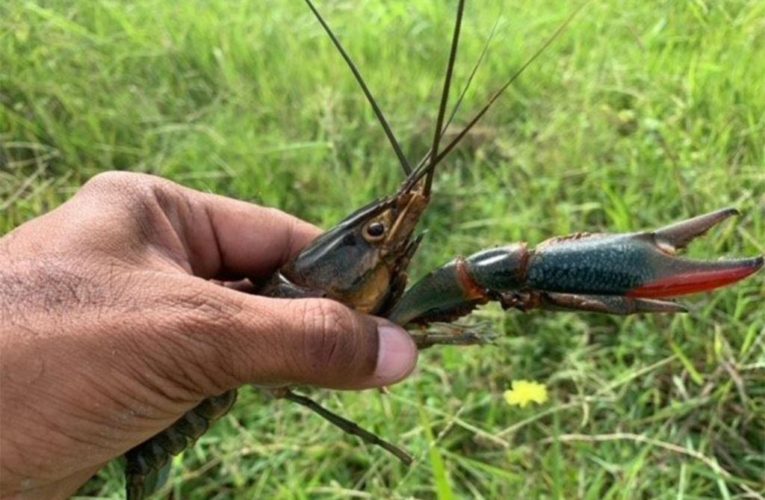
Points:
[(245, 285), (323, 343), (212, 236), (231, 339), (241, 239)]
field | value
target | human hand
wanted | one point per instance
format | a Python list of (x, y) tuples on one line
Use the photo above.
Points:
[(111, 328)]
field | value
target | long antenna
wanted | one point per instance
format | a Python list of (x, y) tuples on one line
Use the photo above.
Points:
[(504, 87), (444, 96), (380, 116), (461, 97), (481, 57)]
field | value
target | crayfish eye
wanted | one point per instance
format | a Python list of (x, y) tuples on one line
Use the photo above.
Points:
[(374, 231)]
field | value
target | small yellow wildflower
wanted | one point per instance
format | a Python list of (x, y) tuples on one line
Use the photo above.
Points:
[(524, 392)]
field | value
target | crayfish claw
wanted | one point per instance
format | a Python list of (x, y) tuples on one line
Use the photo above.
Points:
[(637, 265), (678, 235), (672, 276), (677, 277)]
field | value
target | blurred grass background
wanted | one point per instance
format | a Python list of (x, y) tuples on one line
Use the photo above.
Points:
[(642, 113)]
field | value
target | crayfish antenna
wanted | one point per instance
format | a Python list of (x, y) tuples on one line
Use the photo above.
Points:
[(444, 97), (357, 74), (496, 95), (425, 159)]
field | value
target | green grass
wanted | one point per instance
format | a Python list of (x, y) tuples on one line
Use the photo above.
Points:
[(642, 113)]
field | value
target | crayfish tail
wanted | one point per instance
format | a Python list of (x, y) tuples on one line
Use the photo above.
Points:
[(148, 464)]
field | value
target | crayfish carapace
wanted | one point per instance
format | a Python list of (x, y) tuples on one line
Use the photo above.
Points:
[(362, 262)]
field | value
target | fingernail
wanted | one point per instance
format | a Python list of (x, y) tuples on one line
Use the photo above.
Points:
[(397, 354)]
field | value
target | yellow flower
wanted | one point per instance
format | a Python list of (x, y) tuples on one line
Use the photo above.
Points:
[(524, 392)]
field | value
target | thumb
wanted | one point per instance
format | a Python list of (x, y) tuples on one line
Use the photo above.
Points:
[(323, 343), (268, 341)]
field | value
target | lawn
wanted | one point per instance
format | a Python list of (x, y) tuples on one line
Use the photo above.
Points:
[(639, 114)]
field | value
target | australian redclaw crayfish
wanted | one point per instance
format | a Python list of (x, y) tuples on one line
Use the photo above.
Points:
[(363, 260)]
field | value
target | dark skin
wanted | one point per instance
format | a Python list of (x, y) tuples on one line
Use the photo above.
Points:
[(118, 314)]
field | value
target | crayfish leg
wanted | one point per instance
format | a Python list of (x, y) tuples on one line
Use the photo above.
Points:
[(346, 425), (460, 335), (606, 304)]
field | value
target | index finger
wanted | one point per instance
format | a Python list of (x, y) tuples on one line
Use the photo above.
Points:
[(207, 235), (229, 237)]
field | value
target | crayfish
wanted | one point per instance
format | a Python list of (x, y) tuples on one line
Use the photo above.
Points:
[(606, 273)]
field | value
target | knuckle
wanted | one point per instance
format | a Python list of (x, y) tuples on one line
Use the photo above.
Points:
[(143, 205), (113, 181), (131, 187), (331, 334)]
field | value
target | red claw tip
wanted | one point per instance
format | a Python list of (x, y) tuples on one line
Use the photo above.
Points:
[(701, 280)]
